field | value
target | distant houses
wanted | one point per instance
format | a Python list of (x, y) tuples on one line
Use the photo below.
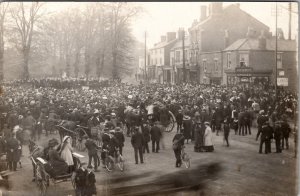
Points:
[(219, 46)]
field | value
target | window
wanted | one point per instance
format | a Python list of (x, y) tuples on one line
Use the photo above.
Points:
[(172, 61), (204, 65), (160, 61), (228, 60), (244, 60), (279, 60), (155, 61), (177, 56), (151, 61), (185, 55), (216, 64)]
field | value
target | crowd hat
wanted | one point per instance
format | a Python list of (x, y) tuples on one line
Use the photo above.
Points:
[(206, 123), (65, 138), (53, 142), (186, 117)]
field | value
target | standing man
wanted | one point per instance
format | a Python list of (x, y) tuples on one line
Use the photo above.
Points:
[(265, 138), (12, 146), (155, 133), (179, 120), (278, 136), (137, 141), (92, 147), (226, 130), (286, 130), (120, 138), (178, 143)]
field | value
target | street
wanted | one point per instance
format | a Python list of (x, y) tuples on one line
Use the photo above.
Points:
[(235, 170)]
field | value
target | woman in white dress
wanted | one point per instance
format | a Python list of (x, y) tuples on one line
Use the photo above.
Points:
[(208, 135), (66, 152)]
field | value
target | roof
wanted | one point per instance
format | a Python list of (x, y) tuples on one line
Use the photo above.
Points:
[(227, 9), (253, 44), (178, 43), (162, 44)]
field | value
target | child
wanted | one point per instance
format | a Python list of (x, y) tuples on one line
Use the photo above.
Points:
[(235, 125)]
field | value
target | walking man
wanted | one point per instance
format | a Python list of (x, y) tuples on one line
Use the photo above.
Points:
[(155, 133), (137, 141)]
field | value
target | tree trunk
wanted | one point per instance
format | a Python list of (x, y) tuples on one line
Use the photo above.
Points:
[(1, 66), (25, 64), (114, 63), (76, 64), (87, 66)]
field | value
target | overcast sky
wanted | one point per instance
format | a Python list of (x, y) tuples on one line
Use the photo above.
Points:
[(162, 17)]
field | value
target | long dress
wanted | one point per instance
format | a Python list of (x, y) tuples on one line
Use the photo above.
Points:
[(66, 154), (208, 143)]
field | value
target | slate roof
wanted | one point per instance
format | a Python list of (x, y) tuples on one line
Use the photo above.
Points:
[(253, 44)]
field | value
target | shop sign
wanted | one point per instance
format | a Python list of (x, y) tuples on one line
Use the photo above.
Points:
[(282, 81), (243, 71), (245, 79)]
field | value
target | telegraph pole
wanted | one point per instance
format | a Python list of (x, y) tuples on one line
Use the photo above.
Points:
[(276, 37), (183, 58), (290, 19), (145, 60)]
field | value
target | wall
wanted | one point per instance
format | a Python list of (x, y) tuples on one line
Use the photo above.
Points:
[(210, 64)]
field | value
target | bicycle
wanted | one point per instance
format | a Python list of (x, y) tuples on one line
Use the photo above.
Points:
[(110, 161), (185, 158)]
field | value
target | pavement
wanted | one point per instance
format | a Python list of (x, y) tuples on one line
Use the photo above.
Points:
[(235, 170)]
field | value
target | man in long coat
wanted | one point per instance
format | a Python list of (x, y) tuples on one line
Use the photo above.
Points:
[(12, 146)]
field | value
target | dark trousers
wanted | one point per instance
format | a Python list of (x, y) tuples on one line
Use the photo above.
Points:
[(226, 135), (121, 150), (286, 139), (278, 146), (179, 127), (138, 152), (95, 158), (155, 143), (177, 153), (248, 128), (267, 143), (12, 165), (241, 128), (146, 147)]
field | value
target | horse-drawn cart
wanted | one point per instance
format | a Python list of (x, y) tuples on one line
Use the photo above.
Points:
[(43, 178)]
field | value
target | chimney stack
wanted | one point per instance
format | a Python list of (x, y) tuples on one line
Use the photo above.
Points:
[(171, 36), (203, 13), (262, 42), (163, 38), (216, 8), (226, 38), (251, 33), (180, 33)]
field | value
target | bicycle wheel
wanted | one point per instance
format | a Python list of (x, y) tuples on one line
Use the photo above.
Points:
[(121, 163), (109, 164), (186, 160)]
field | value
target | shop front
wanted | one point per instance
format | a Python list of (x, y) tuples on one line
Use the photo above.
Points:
[(247, 76)]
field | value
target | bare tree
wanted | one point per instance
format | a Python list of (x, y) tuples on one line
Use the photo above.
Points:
[(3, 10), (25, 19), (120, 16)]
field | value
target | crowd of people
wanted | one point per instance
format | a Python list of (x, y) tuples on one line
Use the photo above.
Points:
[(144, 111)]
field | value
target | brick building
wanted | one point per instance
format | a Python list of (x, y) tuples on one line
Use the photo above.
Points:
[(215, 32), (159, 69), (257, 55), (176, 59)]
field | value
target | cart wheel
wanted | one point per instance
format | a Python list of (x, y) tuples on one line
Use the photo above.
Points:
[(42, 181), (170, 126), (73, 180)]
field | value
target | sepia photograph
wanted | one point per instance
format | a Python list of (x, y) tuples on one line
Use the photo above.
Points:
[(149, 98)]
